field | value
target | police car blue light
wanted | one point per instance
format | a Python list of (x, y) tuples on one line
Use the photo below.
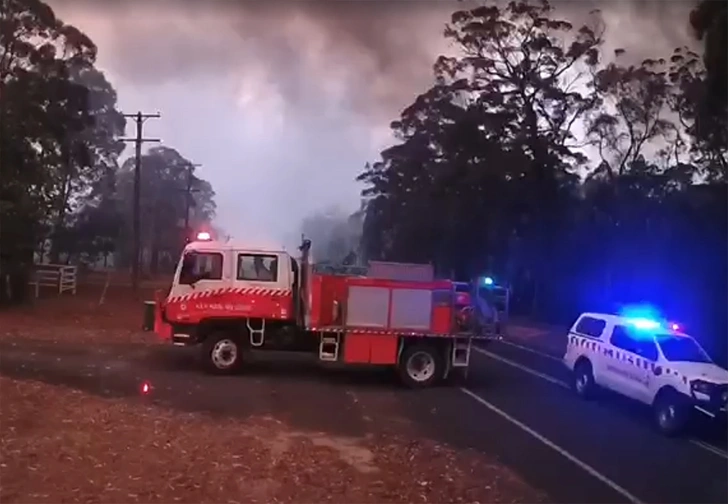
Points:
[(643, 323), (487, 280)]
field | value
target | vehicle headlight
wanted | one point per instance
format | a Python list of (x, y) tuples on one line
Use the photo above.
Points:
[(702, 386)]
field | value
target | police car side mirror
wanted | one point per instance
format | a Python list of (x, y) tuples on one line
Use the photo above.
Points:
[(657, 370)]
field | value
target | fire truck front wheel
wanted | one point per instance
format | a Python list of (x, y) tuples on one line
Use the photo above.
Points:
[(222, 353), (421, 365)]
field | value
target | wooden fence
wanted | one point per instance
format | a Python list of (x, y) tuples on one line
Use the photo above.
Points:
[(61, 277)]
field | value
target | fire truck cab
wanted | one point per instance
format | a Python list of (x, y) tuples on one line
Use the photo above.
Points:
[(232, 301)]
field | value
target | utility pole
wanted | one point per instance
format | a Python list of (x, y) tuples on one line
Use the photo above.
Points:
[(139, 119), (188, 197)]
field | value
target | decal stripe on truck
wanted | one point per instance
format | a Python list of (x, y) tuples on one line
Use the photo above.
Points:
[(247, 291)]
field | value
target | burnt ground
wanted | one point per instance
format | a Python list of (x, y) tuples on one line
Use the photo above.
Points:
[(76, 426)]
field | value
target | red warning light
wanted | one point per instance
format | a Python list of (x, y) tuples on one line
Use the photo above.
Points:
[(146, 388)]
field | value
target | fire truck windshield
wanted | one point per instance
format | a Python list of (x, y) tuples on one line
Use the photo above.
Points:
[(198, 266)]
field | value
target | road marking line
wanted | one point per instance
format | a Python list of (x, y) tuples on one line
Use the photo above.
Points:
[(709, 447), (528, 349), (583, 465), (523, 368), (701, 444)]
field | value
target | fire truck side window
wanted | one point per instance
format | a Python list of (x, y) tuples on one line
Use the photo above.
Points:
[(207, 266), (258, 267)]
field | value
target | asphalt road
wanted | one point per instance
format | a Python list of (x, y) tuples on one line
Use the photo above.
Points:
[(514, 406), (609, 443)]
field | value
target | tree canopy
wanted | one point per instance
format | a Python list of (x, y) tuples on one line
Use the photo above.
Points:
[(62, 191), (579, 180), (166, 176)]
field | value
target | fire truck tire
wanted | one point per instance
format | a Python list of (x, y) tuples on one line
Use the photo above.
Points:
[(222, 353), (421, 365)]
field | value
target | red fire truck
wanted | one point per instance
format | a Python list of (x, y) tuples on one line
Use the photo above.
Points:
[(233, 301)]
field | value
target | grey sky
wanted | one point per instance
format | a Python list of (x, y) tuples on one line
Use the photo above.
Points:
[(283, 102)]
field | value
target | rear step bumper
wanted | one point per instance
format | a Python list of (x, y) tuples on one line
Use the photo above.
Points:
[(181, 339)]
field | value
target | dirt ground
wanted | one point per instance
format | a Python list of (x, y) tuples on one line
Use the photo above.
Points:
[(75, 426), (85, 318)]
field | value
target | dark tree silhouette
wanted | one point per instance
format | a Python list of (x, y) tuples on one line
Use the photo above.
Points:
[(580, 184)]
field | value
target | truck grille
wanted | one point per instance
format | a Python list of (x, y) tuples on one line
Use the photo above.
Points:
[(721, 395)]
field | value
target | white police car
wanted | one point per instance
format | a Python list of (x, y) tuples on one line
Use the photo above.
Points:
[(652, 362)]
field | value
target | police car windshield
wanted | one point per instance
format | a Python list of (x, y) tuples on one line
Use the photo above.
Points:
[(682, 349)]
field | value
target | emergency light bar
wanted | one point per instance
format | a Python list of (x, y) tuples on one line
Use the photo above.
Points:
[(643, 323), (204, 236)]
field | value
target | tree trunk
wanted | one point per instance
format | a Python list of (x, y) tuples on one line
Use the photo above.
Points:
[(154, 260), (14, 277), (61, 215), (544, 210), (154, 246)]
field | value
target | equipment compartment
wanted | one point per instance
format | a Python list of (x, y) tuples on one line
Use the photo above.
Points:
[(395, 306)]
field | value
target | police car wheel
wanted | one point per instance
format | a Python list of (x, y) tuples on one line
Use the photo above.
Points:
[(671, 415), (222, 354), (584, 380), (420, 366)]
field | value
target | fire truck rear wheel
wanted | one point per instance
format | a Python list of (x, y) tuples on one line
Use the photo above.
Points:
[(420, 366), (222, 353)]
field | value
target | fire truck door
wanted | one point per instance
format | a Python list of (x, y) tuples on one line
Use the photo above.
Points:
[(263, 270), (269, 276), (201, 271)]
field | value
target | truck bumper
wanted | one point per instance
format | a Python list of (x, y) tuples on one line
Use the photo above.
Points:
[(714, 408), (718, 413), (162, 328)]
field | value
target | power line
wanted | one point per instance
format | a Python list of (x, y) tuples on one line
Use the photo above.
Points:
[(139, 119)]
